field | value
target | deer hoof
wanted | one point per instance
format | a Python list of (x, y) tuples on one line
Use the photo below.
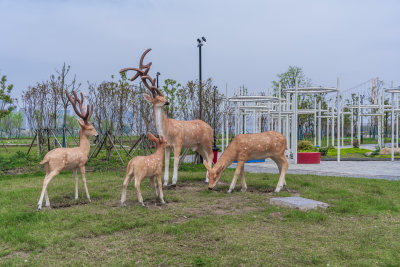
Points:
[(39, 208), (244, 189), (229, 191), (123, 204)]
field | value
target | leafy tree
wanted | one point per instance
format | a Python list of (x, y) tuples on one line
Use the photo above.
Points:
[(170, 90), (288, 79), (5, 99), (16, 121)]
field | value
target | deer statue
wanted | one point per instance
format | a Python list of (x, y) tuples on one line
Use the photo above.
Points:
[(147, 167), (195, 134), (245, 147), (70, 158)]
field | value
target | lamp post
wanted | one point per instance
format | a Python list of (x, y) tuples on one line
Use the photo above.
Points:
[(157, 74), (200, 42), (215, 148)]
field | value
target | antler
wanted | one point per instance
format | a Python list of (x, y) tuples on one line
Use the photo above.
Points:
[(73, 100), (143, 73)]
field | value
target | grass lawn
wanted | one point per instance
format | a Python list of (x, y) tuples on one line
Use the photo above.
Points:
[(198, 227)]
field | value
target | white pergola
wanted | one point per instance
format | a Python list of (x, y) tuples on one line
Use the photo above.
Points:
[(282, 115)]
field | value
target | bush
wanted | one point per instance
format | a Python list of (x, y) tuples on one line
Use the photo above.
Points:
[(305, 146), (323, 151), (356, 144)]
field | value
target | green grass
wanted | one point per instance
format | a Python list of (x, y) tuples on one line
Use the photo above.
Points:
[(198, 227)]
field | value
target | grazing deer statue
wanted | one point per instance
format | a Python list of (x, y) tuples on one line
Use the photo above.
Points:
[(147, 167), (70, 158), (245, 147), (195, 134)]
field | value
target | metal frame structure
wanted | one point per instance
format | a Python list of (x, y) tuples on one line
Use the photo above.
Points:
[(281, 114)]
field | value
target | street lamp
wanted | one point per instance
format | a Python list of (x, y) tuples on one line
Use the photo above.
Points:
[(157, 74), (215, 148), (200, 42)]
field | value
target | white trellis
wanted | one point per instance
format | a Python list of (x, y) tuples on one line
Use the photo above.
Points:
[(281, 114)]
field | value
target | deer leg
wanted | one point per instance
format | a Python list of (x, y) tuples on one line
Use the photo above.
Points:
[(153, 186), (244, 186), (46, 181), (283, 165), (139, 194), (160, 192), (83, 173), (166, 170), (177, 152), (235, 176), (46, 196), (128, 177), (76, 183), (207, 156)]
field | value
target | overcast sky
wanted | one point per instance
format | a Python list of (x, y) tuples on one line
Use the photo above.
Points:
[(248, 42)]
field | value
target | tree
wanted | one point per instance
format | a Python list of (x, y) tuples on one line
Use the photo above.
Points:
[(5, 99), (170, 90), (16, 121), (60, 86), (287, 79)]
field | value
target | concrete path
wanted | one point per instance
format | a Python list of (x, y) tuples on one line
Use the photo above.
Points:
[(363, 169)]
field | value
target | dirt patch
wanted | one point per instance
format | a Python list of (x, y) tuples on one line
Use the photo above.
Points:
[(69, 201), (19, 254), (187, 186), (17, 171), (223, 206)]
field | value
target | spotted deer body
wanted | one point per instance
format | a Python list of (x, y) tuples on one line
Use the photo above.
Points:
[(142, 167), (194, 134), (74, 158), (246, 147)]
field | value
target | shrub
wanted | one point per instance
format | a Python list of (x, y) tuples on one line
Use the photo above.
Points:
[(356, 144), (305, 146), (323, 151)]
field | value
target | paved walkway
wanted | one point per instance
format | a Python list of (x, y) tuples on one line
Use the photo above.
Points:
[(364, 169)]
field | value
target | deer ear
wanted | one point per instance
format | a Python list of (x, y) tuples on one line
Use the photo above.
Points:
[(81, 122), (206, 165), (147, 98), (152, 137)]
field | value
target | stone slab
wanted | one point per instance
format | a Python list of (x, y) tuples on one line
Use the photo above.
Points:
[(298, 203)]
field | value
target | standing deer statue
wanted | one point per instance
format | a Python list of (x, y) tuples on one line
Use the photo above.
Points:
[(70, 158), (245, 147), (147, 167), (195, 134)]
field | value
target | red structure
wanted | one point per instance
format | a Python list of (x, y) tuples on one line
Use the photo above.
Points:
[(215, 151), (308, 157)]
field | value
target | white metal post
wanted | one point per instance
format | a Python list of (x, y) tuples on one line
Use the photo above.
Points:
[(392, 126), (338, 122), (287, 121), (359, 121), (333, 125), (315, 121), (295, 122), (319, 123), (351, 124), (397, 120), (279, 109)]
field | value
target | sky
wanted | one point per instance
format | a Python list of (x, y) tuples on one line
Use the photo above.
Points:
[(248, 42)]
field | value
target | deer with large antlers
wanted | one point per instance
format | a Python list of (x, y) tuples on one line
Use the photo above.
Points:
[(195, 134), (70, 158), (246, 147), (146, 167)]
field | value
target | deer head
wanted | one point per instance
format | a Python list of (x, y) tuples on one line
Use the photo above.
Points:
[(214, 174), (86, 126), (157, 99), (160, 142)]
